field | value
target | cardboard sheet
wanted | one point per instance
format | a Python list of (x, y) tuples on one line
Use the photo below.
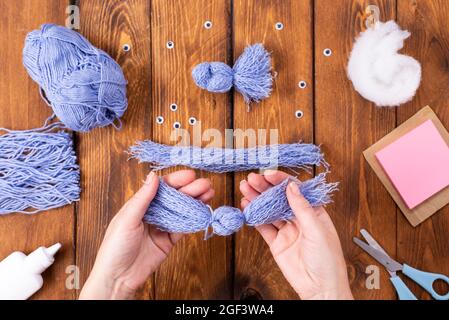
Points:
[(417, 204)]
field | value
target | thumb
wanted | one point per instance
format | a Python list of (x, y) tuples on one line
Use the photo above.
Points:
[(137, 206), (304, 212)]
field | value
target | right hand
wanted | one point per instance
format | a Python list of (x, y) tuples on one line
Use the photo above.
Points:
[(307, 248)]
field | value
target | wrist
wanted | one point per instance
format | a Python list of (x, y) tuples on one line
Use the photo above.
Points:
[(339, 294), (98, 287)]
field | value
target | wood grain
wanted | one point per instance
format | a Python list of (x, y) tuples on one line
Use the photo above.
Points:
[(346, 124), (22, 108), (107, 178), (256, 273), (196, 269), (426, 247)]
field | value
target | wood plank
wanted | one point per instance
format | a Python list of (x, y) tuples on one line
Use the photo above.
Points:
[(107, 178), (196, 269), (256, 273), (426, 247), (23, 108), (346, 124)]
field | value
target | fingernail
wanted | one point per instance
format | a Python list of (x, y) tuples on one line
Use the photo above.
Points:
[(269, 172), (149, 177), (294, 188), (242, 181)]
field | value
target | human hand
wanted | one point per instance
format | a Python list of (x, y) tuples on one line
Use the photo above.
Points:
[(132, 250), (307, 248)]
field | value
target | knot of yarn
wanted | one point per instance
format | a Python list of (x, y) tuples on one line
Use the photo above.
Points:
[(378, 72), (251, 75), (226, 220), (84, 86), (213, 76)]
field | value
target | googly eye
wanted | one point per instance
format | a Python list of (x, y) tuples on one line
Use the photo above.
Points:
[(173, 107), (176, 125), (279, 26), (159, 119), (302, 84), (327, 52), (170, 44), (207, 24), (299, 114), (126, 47), (192, 121)]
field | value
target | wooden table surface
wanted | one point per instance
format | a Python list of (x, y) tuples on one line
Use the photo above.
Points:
[(335, 116)]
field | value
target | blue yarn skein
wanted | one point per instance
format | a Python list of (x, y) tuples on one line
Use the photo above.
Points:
[(294, 155), (174, 211), (251, 75), (85, 87), (38, 170)]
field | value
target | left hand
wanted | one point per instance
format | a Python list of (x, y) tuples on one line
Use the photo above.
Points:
[(132, 250)]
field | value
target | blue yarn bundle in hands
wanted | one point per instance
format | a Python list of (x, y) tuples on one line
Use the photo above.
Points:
[(251, 75), (38, 170), (174, 211), (85, 87), (295, 155)]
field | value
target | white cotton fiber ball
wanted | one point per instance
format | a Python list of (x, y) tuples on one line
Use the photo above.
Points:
[(378, 72)]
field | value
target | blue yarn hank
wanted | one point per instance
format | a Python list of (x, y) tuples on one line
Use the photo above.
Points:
[(38, 170), (86, 89), (221, 160), (84, 86), (176, 212), (250, 75)]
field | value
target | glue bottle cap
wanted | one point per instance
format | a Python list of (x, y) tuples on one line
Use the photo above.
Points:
[(41, 258)]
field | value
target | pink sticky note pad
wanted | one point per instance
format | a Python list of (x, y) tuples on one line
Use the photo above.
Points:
[(417, 164)]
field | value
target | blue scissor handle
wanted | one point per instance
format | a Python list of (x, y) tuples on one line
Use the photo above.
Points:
[(403, 291), (426, 280)]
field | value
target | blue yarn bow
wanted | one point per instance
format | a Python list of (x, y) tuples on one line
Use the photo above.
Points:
[(84, 86), (174, 211), (251, 75)]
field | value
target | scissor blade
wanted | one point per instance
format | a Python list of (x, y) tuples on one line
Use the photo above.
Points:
[(372, 242), (381, 257)]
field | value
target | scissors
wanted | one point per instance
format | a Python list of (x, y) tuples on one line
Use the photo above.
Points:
[(424, 279)]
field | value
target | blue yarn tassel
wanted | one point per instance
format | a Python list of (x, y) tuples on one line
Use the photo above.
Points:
[(38, 170), (251, 75), (84, 86), (174, 211), (295, 155)]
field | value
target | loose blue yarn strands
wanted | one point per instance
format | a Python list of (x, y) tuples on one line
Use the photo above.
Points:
[(84, 86), (251, 75), (176, 212), (86, 89), (38, 169), (221, 160)]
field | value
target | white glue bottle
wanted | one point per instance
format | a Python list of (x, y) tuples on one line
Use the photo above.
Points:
[(20, 274)]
